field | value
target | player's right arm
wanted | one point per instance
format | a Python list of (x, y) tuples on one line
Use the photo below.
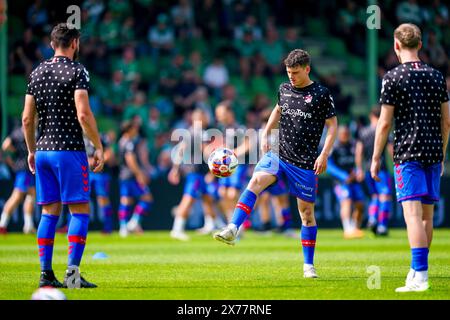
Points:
[(445, 128), (29, 124), (381, 136), (89, 126), (272, 123), (359, 150), (132, 164)]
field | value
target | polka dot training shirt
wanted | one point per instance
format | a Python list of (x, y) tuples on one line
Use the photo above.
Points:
[(53, 84), (416, 91), (303, 115)]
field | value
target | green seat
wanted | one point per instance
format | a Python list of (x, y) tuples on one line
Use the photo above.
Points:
[(336, 47), (260, 85), (15, 105), (356, 66), (316, 27), (17, 85), (105, 124), (147, 68)]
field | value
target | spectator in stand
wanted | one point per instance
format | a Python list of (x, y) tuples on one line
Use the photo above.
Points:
[(161, 38), (109, 30), (127, 33), (138, 108), (342, 102), (129, 65), (45, 51), (206, 13), (291, 39), (216, 77), (25, 55), (436, 53), (409, 11), (183, 17), (230, 95), (272, 51), (436, 14), (37, 17), (94, 9), (98, 61), (116, 95), (246, 48), (185, 92), (250, 25), (255, 113)]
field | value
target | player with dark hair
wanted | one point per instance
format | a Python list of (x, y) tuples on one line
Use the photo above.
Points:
[(415, 96), (133, 180), (57, 94), (349, 192), (304, 107), (380, 191), (24, 185)]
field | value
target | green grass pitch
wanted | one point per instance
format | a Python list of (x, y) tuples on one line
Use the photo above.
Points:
[(153, 266)]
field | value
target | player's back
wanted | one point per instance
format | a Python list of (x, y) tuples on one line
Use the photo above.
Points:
[(416, 90), (53, 84)]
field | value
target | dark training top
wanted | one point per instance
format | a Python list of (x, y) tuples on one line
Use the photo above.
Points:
[(303, 115), (53, 84), (416, 91)]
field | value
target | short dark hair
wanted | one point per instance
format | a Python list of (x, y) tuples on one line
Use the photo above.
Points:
[(62, 36), (298, 57), (376, 111)]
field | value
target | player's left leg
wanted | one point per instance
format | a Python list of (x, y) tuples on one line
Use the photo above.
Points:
[(77, 236), (427, 219), (143, 207), (308, 236), (28, 210), (385, 201), (102, 189), (209, 214), (11, 204)]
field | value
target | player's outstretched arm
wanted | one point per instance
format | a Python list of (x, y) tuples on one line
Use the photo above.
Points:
[(272, 123), (445, 128), (29, 127), (359, 151), (381, 136), (89, 126), (321, 162)]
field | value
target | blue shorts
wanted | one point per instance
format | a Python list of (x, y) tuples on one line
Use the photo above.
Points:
[(278, 188), (62, 176), (131, 188), (212, 189), (302, 183), (100, 182), (195, 185), (383, 187), (24, 180), (237, 179), (414, 181), (352, 191)]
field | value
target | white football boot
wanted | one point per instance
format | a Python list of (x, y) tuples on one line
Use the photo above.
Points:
[(309, 271), (227, 235)]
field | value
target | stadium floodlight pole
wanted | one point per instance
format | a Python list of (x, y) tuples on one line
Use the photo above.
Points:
[(372, 57), (3, 76)]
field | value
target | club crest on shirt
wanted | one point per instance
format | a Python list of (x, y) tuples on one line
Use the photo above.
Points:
[(308, 98)]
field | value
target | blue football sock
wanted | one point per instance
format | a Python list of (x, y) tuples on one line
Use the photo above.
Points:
[(373, 210), (77, 234), (141, 208), (124, 211), (46, 236), (287, 218), (419, 260), (384, 211), (244, 207), (107, 218), (308, 236)]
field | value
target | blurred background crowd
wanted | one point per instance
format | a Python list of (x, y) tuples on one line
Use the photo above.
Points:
[(158, 60)]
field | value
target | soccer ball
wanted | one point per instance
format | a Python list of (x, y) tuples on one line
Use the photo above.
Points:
[(48, 293), (222, 162)]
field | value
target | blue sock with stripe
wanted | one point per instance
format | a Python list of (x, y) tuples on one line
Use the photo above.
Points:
[(77, 234), (308, 236), (141, 209), (373, 210), (107, 218), (243, 208), (384, 212), (45, 238), (419, 260)]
